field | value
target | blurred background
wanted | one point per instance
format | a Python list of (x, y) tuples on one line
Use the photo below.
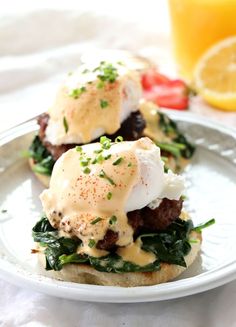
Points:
[(41, 41)]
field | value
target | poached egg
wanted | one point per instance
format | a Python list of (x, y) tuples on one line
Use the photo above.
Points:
[(94, 100)]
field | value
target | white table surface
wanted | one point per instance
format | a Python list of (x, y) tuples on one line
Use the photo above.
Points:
[(41, 42)]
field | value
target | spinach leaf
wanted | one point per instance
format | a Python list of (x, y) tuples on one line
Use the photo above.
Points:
[(179, 146), (43, 225), (114, 263), (169, 246), (54, 250), (167, 125), (44, 160), (73, 258), (173, 148), (189, 149), (55, 246)]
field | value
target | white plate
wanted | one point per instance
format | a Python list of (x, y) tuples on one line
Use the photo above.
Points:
[(211, 189)]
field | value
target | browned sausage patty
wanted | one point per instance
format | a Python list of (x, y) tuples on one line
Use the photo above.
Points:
[(162, 216), (131, 129), (146, 220)]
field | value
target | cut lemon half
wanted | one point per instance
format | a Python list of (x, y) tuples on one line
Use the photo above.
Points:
[(215, 75)]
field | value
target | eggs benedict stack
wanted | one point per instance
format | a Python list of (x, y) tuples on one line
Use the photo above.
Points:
[(113, 216)]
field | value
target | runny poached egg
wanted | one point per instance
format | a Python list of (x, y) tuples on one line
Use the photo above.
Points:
[(94, 186)]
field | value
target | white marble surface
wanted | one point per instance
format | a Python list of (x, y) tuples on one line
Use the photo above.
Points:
[(39, 43)]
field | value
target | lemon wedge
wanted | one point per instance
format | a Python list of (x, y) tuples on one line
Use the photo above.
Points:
[(215, 75)]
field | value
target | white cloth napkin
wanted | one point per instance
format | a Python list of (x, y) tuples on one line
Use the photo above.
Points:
[(20, 307), (36, 49)]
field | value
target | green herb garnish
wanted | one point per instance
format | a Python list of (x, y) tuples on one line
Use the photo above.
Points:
[(108, 156), (113, 220), (65, 124), (102, 174), (109, 195), (84, 162), (3, 210), (77, 92), (119, 139), (100, 159), (96, 220), (103, 104), (85, 71), (129, 164), (204, 225), (91, 243), (117, 161), (78, 148), (105, 142), (98, 151), (106, 72), (86, 170)]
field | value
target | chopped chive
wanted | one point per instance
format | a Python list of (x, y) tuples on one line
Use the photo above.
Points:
[(94, 161), (95, 69), (85, 71), (105, 142), (102, 174), (98, 151), (84, 162), (77, 92), (117, 161), (87, 170), (100, 158), (103, 104), (3, 210), (108, 156), (96, 220), (119, 139), (129, 164), (78, 148), (91, 243), (106, 72), (204, 225), (113, 220), (65, 123), (109, 195)]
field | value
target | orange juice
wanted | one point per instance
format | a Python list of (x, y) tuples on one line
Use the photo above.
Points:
[(196, 25)]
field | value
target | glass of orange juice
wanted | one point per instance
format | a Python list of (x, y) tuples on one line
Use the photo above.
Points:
[(196, 25)]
